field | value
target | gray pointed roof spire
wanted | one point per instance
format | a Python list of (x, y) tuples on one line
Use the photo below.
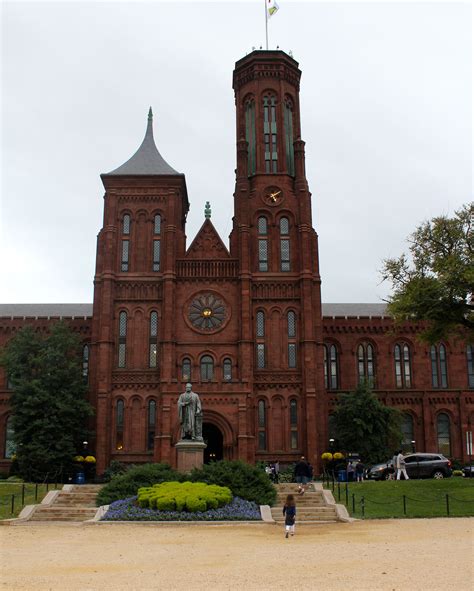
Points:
[(147, 161)]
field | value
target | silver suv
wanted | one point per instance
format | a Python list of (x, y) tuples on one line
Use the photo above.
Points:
[(418, 465)]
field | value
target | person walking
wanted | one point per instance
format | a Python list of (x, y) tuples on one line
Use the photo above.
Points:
[(401, 466), (302, 474), (359, 471), (276, 471), (350, 472), (289, 511)]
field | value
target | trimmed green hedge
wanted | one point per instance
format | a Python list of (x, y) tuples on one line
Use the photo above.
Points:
[(184, 496), (122, 487), (245, 481)]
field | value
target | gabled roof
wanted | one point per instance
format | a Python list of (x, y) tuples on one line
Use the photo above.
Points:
[(207, 244), (146, 161)]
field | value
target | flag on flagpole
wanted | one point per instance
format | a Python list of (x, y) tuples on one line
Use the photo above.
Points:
[(272, 7)]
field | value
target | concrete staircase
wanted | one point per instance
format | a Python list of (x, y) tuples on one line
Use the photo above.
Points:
[(72, 503), (310, 507)]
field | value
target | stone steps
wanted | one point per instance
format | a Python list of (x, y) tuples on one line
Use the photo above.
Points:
[(311, 507), (75, 504)]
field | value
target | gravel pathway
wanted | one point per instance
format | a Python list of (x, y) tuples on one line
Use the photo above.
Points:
[(392, 555)]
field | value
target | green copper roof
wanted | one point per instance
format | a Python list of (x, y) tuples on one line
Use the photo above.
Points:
[(146, 161)]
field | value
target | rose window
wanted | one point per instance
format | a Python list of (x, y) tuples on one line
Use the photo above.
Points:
[(207, 312)]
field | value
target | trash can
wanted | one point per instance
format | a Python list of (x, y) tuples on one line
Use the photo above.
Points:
[(342, 476), (79, 478)]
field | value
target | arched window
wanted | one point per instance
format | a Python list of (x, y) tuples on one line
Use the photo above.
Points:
[(122, 343), (151, 424), (402, 356), (186, 369), (126, 224), (153, 345), (444, 434), (365, 364), (157, 243), (250, 135), (285, 264), (207, 368), (262, 425), (262, 227), (289, 149), (293, 424), (407, 433), (85, 362), (125, 243), (119, 423), (270, 133), (470, 365), (227, 370), (439, 369), (260, 334), (291, 329), (10, 445), (331, 377)]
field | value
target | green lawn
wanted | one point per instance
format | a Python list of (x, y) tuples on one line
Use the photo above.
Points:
[(9, 489), (423, 498)]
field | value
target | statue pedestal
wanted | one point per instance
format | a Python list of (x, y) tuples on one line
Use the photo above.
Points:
[(190, 454)]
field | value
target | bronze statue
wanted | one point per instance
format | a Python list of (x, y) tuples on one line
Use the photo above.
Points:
[(190, 414)]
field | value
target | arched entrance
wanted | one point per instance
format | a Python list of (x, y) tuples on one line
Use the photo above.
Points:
[(214, 440)]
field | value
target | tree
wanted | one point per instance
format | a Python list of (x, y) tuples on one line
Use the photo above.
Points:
[(438, 285), (366, 426), (48, 403)]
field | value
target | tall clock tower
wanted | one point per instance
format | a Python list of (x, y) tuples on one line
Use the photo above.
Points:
[(277, 247)]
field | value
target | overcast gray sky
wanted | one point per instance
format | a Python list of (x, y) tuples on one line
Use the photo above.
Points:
[(385, 105)]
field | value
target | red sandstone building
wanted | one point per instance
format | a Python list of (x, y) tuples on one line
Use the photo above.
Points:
[(244, 322)]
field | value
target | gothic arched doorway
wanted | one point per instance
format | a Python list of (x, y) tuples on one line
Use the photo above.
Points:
[(214, 440)]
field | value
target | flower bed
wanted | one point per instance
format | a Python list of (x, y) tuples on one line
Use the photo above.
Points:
[(237, 510)]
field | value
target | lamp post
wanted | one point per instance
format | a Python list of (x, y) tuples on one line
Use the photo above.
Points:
[(413, 448), (331, 449)]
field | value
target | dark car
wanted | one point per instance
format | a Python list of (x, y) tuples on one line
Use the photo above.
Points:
[(468, 471), (418, 465)]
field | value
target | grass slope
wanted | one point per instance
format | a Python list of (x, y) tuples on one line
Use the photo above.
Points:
[(7, 489), (423, 498)]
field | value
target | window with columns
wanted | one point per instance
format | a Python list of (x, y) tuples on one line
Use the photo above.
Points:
[(439, 367), (293, 424), (470, 365), (331, 367), (125, 255), (402, 357), (270, 133), (366, 364), (122, 340), (85, 363), (443, 429), (186, 369), (207, 368), (408, 432), (227, 370)]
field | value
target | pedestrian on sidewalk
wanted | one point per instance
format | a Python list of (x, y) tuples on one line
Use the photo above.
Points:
[(401, 467), (289, 511), (302, 475), (359, 470)]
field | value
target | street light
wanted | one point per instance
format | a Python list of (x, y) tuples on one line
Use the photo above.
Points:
[(413, 445)]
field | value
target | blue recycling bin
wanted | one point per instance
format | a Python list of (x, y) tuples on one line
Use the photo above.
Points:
[(342, 476), (79, 478)]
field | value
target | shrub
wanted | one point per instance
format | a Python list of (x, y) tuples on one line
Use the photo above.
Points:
[(116, 468), (458, 473), (245, 481), (236, 510), (184, 496), (127, 485)]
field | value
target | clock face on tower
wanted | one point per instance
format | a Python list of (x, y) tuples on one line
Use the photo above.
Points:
[(272, 195)]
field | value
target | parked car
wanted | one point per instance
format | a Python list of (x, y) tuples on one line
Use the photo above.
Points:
[(468, 471), (418, 465)]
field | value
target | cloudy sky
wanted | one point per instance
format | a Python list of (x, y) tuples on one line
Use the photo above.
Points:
[(386, 116)]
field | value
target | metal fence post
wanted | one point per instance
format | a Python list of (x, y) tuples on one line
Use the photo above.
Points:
[(347, 494), (338, 490), (353, 504), (47, 486), (404, 505), (362, 504), (13, 503), (23, 495), (447, 504), (36, 491)]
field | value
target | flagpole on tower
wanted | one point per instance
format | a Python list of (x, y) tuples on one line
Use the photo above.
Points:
[(266, 23)]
